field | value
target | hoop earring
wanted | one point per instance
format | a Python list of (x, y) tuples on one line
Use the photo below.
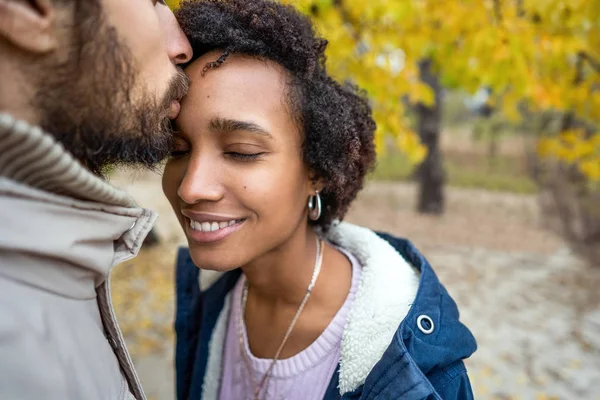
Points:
[(314, 206)]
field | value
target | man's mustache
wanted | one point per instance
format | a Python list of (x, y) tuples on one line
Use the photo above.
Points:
[(178, 87)]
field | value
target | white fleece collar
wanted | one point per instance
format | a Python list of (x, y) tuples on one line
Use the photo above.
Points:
[(386, 290)]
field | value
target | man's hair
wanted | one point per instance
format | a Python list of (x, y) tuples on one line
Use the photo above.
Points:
[(335, 119)]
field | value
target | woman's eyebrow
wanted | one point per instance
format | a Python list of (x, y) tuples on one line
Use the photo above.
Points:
[(232, 125)]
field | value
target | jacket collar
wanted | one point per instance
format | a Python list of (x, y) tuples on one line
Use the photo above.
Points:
[(385, 293), (33, 157), (419, 348), (449, 340), (58, 211)]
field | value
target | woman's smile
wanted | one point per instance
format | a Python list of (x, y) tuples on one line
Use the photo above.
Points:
[(210, 228)]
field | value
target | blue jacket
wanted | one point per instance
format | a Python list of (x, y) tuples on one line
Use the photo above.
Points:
[(403, 339)]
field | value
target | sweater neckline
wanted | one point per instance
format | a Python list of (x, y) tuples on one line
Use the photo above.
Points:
[(328, 341)]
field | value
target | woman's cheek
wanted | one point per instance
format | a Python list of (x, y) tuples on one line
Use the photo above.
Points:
[(260, 189), (278, 191)]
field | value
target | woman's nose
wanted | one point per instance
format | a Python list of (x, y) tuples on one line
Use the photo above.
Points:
[(201, 183)]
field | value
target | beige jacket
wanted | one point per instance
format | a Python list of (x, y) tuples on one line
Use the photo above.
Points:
[(62, 230)]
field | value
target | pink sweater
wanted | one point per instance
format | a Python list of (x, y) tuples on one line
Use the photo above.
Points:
[(304, 376)]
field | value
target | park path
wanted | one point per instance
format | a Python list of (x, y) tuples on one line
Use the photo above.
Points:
[(532, 305)]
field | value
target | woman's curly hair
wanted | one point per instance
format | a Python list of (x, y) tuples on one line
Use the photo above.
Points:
[(335, 120)]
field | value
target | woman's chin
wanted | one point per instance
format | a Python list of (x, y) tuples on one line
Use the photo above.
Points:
[(212, 265)]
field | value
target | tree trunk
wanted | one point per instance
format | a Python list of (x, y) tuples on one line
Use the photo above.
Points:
[(431, 172)]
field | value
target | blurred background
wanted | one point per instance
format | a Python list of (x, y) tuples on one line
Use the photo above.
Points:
[(488, 141)]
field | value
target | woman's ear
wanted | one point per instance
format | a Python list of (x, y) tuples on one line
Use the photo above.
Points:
[(315, 184), (29, 25)]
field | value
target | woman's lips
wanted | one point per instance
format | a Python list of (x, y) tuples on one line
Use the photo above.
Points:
[(199, 231)]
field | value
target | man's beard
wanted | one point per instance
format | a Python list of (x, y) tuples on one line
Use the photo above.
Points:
[(87, 102)]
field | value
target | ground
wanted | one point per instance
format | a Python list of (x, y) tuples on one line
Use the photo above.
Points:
[(533, 307)]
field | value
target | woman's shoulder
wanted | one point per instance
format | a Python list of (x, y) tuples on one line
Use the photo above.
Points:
[(394, 267), (400, 295), (377, 246)]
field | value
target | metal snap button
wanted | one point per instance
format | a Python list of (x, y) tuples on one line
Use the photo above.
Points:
[(425, 324)]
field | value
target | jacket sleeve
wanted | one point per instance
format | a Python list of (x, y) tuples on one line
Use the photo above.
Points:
[(452, 383)]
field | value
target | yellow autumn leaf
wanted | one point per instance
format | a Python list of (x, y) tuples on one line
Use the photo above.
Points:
[(591, 169), (547, 147)]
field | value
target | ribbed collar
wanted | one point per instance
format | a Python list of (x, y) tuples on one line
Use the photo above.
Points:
[(69, 227), (32, 157)]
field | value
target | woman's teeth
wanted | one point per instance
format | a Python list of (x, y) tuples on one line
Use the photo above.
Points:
[(211, 226)]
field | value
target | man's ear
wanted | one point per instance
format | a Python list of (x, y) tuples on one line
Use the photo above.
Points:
[(29, 25)]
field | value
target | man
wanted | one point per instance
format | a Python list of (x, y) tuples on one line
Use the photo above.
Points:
[(84, 84)]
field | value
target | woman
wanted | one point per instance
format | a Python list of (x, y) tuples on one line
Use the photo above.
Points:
[(290, 303)]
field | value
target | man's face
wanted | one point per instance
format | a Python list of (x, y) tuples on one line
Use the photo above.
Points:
[(156, 43), (109, 91)]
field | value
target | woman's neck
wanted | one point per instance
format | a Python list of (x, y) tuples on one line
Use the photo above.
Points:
[(277, 284), (283, 275)]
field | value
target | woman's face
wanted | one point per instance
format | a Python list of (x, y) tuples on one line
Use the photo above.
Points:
[(236, 181)]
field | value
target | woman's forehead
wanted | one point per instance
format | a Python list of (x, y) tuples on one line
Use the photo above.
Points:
[(239, 71), (241, 88)]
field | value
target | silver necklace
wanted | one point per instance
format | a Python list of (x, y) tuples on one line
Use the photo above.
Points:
[(267, 376)]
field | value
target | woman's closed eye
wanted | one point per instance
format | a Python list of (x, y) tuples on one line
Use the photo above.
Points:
[(244, 156), (179, 153), (244, 151), (180, 148)]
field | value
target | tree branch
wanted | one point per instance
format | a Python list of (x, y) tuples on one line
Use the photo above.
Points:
[(578, 69), (595, 64), (520, 8), (356, 32), (498, 10)]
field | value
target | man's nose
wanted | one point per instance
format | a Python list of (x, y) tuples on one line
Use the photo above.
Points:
[(178, 46)]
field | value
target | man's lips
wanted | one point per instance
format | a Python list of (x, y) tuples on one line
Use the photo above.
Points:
[(174, 109)]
